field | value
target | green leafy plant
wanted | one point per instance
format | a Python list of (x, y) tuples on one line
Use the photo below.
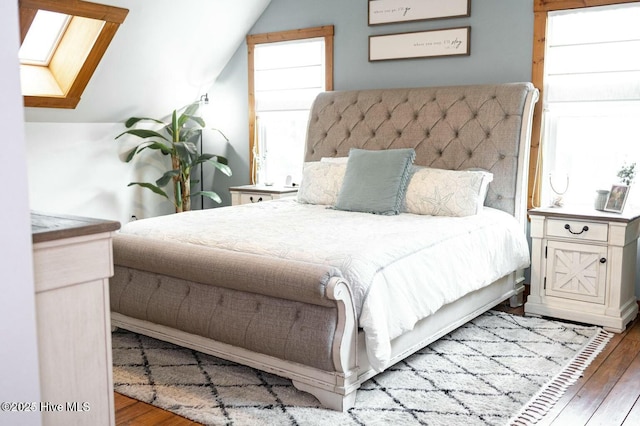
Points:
[(176, 140), (627, 173)]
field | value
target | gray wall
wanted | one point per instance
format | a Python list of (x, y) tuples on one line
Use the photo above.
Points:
[(501, 43)]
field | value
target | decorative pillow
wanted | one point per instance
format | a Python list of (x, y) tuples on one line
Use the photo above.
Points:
[(375, 181), (439, 192), (485, 184), (321, 182)]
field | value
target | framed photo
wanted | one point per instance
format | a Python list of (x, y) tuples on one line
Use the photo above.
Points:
[(421, 44), (389, 11), (617, 198)]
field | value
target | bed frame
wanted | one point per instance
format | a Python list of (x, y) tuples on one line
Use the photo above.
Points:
[(298, 321)]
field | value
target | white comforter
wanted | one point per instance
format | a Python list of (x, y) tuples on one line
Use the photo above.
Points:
[(400, 268)]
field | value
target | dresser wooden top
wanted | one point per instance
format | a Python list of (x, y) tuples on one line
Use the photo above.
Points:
[(50, 227)]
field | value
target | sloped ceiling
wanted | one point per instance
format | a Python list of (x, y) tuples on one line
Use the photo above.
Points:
[(166, 54)]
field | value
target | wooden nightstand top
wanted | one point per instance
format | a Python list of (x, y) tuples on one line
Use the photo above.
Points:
[(585, 213)]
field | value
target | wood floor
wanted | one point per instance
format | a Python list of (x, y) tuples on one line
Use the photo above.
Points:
[(607, 394)]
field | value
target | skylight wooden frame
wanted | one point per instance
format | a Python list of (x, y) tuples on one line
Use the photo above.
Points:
[(325, 31), (71, 75)]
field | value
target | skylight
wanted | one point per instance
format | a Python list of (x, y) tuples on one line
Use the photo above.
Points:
[(63, 42), (43, 37)]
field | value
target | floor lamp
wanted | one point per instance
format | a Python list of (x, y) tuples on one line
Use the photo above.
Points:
[(204, 100)]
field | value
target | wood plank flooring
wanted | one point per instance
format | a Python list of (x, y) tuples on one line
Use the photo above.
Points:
[(133, 412), (608, 394)]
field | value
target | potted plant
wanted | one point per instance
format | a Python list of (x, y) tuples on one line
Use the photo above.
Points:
[(176, 140)]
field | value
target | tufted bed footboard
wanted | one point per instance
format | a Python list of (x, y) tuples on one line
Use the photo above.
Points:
[(286, 317)]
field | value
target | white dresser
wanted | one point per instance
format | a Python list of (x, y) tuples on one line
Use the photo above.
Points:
[(256, 193), (584, 266), (72, 264)]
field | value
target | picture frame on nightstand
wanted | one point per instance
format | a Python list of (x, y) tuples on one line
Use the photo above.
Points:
[(617, 198)]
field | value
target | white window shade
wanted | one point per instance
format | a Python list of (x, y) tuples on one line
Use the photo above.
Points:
[(611, 86), (289, 54), (592, 55), (289, 78), (300, 99)]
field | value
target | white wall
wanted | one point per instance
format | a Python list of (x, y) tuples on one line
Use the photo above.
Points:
[(18, 351), (78, 169)]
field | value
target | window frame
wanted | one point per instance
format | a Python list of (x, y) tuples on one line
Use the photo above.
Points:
[(325, 32), (541, 9), (73, 76)]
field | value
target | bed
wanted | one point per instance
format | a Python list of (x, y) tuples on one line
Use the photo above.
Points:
[(316, 288)]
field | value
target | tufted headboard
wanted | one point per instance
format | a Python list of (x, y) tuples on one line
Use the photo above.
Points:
[(456, 127)]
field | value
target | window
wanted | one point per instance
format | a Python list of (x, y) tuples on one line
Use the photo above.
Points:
[(43, 37), (586, 66), (62, 44), (286, 72), (591, 100)]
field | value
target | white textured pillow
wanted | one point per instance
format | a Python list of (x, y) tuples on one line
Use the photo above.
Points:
[(485, 184), (439, 192), (321, 182)]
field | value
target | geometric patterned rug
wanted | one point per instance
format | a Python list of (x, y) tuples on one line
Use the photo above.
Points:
[(483, 373)]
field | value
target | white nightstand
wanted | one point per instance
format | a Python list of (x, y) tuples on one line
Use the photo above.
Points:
[(255, 193), (584, 266)]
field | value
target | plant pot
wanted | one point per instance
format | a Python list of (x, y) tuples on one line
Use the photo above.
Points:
[(601, 199)]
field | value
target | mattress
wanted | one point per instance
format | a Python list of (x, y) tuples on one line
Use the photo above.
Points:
[(400, 269)]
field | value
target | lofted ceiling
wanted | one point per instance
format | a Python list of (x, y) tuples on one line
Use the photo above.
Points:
[(166, 54)]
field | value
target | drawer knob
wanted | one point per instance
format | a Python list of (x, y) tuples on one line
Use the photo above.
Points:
[(603, 260), (568, 228), (257, 201)]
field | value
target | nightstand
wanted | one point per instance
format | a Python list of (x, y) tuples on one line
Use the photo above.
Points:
[(584, 266), (255, 193)]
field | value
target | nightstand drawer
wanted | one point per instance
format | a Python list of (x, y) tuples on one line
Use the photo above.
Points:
[(577, 229), (256, 193), (248, 197)]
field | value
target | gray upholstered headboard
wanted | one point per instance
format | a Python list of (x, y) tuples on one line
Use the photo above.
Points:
[(457, 127)]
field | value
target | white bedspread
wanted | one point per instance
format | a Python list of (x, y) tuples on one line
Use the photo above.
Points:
[(400, 268)]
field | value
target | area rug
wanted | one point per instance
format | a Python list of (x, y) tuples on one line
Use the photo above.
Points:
[(495, 370)]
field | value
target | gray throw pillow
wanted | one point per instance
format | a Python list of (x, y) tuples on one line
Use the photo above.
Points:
[(375, 181)]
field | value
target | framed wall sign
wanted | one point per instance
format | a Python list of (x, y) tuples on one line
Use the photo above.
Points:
[(617, 198), (389, 11), (421, 44)]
